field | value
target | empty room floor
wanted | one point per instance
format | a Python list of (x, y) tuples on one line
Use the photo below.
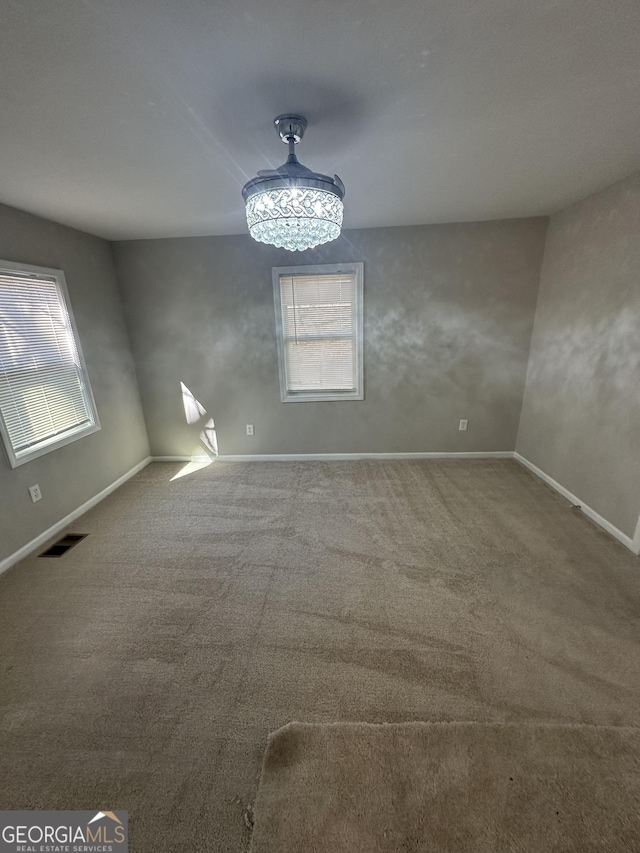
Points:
[(144, 669)]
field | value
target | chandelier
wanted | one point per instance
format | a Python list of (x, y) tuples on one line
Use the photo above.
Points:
[(292, 207)]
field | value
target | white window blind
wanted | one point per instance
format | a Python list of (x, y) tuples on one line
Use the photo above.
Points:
[(319, 332), (45, 400)]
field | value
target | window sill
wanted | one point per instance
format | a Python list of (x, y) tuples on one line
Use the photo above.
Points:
[(312, 397), (27, 455)]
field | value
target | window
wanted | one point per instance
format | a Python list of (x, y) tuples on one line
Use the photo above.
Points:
[(319, 331), (45, 398)]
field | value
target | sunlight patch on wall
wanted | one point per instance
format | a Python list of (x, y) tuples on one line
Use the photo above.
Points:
[(193, 409), (204, 453), (209, 437)]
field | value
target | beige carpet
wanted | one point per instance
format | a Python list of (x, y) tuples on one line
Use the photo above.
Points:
[(145, 669), (449, 788)]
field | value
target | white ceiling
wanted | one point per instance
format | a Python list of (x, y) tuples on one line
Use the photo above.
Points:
[(143, 118)]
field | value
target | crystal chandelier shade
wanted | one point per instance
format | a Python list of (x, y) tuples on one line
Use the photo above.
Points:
[(294, 219), (292, 207)]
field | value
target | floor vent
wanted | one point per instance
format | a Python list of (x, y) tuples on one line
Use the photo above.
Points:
[(63, 545)]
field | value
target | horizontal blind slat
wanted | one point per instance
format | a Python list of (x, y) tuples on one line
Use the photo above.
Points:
[(319, 328)]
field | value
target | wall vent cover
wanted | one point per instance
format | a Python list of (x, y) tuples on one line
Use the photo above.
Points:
[(62, 545)]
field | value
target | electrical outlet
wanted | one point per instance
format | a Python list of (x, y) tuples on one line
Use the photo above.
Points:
[(35, 493), (462, 426), (250, 429)]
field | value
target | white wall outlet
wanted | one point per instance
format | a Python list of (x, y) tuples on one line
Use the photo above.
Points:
[(250, 430), (35, 493), (462, 426)]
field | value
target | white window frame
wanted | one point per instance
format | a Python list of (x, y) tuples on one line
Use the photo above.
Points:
[(53, 442), (288, 396)]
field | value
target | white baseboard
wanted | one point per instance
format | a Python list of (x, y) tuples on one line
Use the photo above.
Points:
[(344, 457), (172, 458), (635, 545), (632, 544), (23, 552)]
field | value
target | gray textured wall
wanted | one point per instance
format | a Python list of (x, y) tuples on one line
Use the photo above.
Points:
[(448, 313), (71, 475), (581, 414)]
